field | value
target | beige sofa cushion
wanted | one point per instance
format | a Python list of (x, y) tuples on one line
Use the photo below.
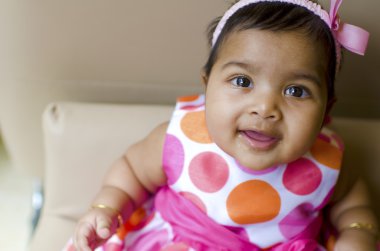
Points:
[(82, 140)]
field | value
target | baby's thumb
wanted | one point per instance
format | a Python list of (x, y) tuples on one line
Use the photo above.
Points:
[(103, 228)]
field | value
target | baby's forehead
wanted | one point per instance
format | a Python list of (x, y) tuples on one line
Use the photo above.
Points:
[(243, 39), (263, 49)]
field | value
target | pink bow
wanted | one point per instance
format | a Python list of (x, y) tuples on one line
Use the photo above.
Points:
[(351, 37)]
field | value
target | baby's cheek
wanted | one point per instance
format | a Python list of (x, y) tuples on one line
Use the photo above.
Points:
[(296, 149)]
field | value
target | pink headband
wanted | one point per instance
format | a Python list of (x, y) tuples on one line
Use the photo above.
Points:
[(351, 37)]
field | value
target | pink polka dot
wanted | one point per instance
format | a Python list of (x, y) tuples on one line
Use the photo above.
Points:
[(173, 158), (324, 137), (191, 107), (302, 177), (209, 172), (297, 220), (113, 247), (195, 199)]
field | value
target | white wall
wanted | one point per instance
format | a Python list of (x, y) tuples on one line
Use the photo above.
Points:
[(128, 51)]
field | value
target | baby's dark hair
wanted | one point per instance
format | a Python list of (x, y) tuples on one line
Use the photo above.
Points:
[(278, 16)]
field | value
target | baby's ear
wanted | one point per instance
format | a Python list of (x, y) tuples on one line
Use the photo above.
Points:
[(330, 104), (204, 77)]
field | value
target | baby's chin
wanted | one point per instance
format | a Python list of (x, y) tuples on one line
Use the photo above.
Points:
[(257, 166), (266, 161)]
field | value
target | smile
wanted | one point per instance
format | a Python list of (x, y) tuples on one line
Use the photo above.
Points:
[(258, 140)]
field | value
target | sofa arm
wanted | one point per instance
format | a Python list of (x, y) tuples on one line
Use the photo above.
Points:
[(81, 141), (362, 152)]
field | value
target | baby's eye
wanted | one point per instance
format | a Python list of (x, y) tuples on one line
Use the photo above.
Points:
[(296, 91), (242, 81)]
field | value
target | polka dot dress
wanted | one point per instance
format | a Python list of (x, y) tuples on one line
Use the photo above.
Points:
[(269, 206), (266, 207)]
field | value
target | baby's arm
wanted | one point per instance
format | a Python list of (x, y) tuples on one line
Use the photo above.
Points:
[(353, 218), (126, 186)]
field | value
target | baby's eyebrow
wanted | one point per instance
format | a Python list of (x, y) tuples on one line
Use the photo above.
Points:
[(247, 66), (308, 76), (235, 63)]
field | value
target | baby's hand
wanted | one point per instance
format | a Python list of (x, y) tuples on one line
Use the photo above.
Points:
[(93, 229), (355, 240)]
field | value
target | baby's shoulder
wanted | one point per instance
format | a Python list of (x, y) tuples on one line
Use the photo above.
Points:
[(149, 149)]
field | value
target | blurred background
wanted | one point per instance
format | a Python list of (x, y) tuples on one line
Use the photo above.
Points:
[(120, 51)]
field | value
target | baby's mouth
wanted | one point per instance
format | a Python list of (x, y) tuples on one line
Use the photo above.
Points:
[(259, 140)]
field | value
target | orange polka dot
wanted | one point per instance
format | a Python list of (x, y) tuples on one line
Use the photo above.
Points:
[(253, 201), (187, 98), (193, 125), (138, 219), (330, 243), (137, 216), (326, 154)]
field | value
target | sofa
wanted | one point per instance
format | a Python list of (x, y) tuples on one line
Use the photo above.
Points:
[(81, 80), (83, 139)]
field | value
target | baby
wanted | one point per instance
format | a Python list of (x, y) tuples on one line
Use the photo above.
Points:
[(249, 165)]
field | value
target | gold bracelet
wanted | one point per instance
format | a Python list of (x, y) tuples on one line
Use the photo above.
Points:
[(362, 226), (119, 217)]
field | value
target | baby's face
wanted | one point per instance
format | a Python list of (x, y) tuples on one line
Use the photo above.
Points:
[(266, 97)]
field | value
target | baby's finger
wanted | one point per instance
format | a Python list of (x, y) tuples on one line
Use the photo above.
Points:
[(103, 227), (83, 236)]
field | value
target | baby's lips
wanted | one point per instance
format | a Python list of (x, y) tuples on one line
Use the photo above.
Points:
[(255, 135)]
